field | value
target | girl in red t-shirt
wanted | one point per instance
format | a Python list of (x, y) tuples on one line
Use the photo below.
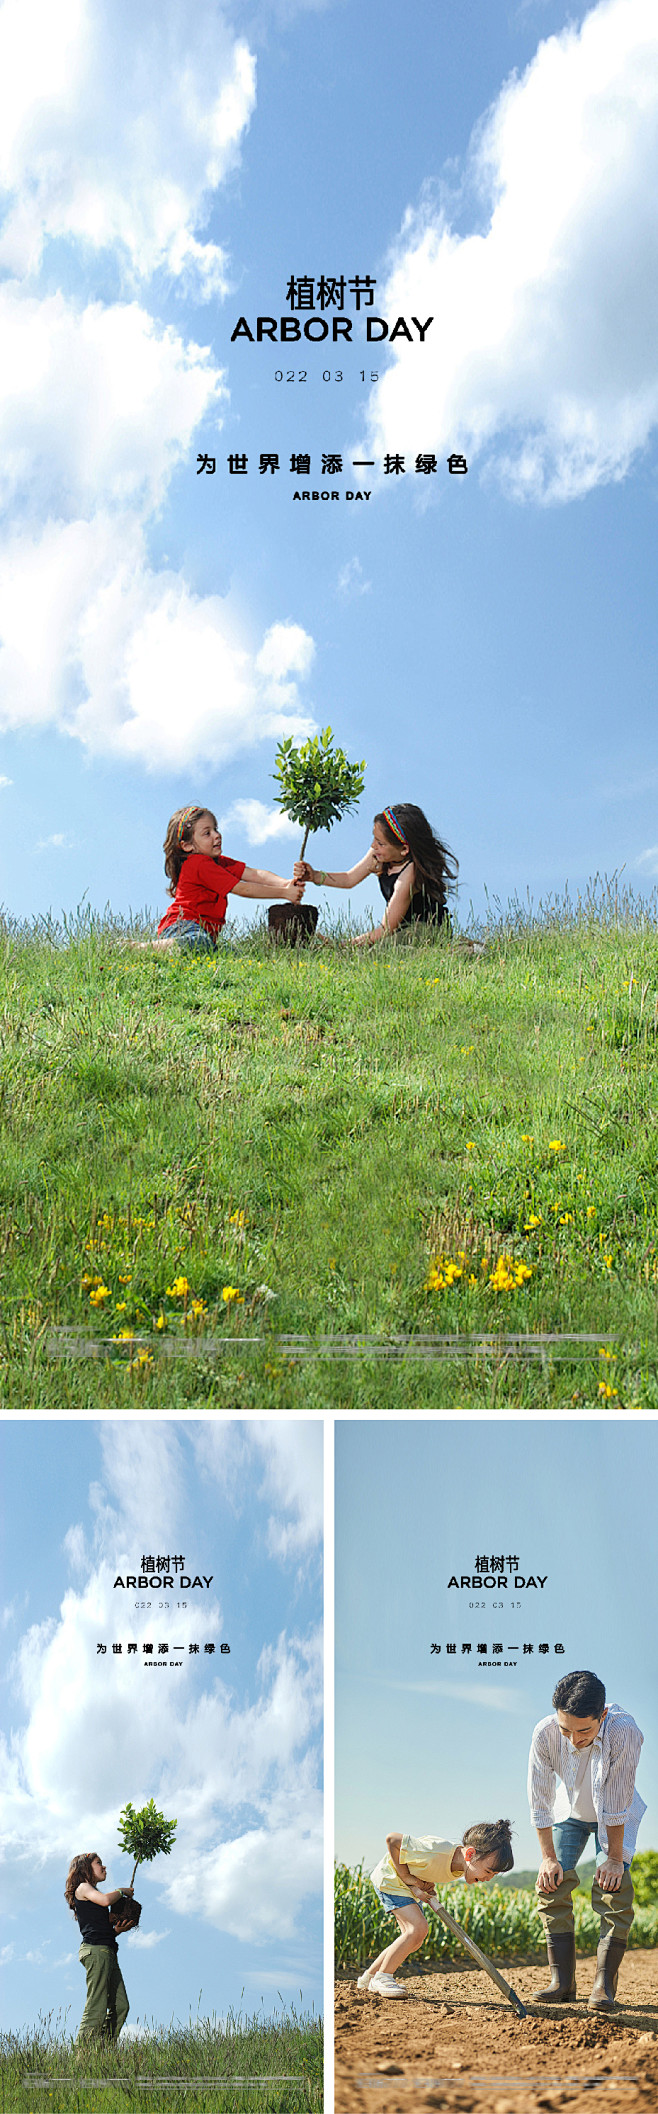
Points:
[(201, 881)]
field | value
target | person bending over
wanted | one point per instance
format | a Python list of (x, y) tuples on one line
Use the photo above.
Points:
[(581, 1782)]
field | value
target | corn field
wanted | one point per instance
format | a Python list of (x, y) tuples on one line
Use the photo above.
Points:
[(504, 1921)]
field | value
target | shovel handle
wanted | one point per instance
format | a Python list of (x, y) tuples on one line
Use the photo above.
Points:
[(481, 1957)]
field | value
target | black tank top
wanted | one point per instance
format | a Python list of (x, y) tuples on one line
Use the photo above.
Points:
[(423, 904), (95, 1925)]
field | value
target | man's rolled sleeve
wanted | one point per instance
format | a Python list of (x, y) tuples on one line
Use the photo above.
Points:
[(619, 1788), (541, 1780)]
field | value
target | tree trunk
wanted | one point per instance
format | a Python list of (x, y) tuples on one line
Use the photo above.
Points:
[(307, 833), (132, 1882)]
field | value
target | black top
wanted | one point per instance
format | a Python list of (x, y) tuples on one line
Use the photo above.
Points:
[(423, 905), (95, 1925)]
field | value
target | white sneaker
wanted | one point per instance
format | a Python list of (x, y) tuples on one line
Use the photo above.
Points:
[(386, 1986), (365, 1979)]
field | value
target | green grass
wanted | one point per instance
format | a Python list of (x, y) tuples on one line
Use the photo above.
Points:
[(360, 1145), (288, 2046), (503, 1921)]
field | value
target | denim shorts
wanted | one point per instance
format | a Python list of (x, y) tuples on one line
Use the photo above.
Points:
[(192, 937), (391, 1902)]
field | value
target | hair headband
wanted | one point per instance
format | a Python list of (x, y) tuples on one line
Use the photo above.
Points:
[(394, 825), (185, 817)]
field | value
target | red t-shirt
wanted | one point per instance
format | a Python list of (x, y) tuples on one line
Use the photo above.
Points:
[(204, 886)]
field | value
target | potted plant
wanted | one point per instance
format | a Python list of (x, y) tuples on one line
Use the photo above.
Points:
[(143, 1835), (316, 786)]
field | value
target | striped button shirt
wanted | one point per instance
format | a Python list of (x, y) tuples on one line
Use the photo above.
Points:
[(615, 1753)]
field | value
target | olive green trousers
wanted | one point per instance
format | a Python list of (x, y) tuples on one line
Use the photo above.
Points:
[(107, 2007)]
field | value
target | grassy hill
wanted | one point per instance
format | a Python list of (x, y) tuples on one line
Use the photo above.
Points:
[(283, 2056), (204, 1159)]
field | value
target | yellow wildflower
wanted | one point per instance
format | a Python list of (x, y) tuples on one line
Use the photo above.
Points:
[(509, 1274), (535, 1219), (556, 1145), (230, 1292), (101, 1292), (178, 1289)]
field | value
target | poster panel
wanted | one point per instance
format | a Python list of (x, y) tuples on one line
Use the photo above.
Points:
[(329, 397), (496, 1720), (162, 1707)]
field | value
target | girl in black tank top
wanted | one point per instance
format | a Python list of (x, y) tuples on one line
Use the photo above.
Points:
[(414, 869)]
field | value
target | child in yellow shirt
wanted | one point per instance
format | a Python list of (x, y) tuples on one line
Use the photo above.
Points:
[(413, 1866)]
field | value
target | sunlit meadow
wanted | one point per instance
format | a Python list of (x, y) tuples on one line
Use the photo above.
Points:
[(312, 1177), (44, 2070)]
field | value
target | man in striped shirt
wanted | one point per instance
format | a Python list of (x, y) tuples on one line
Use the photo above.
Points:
[(581, 1781)]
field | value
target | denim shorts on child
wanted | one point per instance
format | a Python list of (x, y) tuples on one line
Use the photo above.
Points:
[(391, 1902), (194, 938)]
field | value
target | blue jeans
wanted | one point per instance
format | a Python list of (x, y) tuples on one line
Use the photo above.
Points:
[(193, 938), (569, 1839)]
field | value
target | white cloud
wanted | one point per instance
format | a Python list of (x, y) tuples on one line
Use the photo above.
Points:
[(286, 651), (257, 822), (5, 781), (351, 579), (130, 661), (288, 1457), (75, 1545), (116, 126), (144, 1940), (244, 1885), (58, 842), (649, 860), (98, 404), (483, 1696), (293, 1483), (527, 359)]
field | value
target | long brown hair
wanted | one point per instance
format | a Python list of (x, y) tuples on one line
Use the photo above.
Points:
[(177, 843), (79, 1869), (435, 865)]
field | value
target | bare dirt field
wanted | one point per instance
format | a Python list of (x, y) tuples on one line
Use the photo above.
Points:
[(455, 2043)]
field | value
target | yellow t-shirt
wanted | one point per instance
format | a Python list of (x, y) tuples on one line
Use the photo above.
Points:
[(426, 1858)]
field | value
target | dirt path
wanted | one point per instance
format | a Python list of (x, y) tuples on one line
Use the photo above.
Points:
[(453, 2043)]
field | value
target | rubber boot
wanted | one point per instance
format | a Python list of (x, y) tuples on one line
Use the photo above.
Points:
[(616, 1912), (556, 1911), (562, 1962)]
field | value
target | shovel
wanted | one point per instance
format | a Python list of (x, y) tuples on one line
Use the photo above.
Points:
[(481, 1958)]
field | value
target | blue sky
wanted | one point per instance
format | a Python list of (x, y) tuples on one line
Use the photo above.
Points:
[(487, 642), (229, 1744), (429, 1743)]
